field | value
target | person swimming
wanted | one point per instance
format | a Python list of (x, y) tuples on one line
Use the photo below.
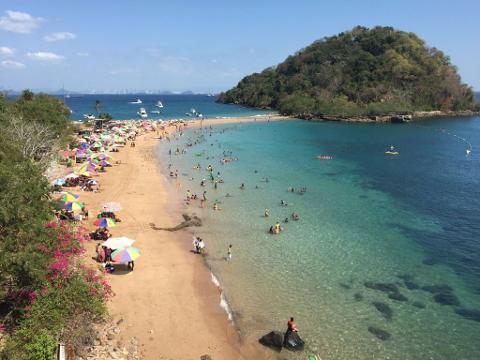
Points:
[(242, 187), (283, 203)]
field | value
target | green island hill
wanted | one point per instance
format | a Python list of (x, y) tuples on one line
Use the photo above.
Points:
[(378, 74)]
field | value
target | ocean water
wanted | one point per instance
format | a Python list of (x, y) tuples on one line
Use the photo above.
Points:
[(410, 221), (175, 106)]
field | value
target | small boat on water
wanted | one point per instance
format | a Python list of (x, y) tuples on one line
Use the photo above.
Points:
[(392, 151), (159, 104), (138, 101), (89, 116), (142, 113), (155, 111), (324, 157)]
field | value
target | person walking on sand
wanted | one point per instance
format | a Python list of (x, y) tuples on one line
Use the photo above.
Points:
[(229, 252)]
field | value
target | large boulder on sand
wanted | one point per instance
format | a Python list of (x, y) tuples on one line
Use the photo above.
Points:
[(294, 342), (273, 339)]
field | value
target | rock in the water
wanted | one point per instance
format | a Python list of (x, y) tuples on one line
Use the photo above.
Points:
[(294, 342), (418, 304), (386, 311), (442, 294), (379, 333), (385, 287), (410, 285), (397, 296), (469, 314), (358, 297), (273, 339), (446, 299), (440, 288)]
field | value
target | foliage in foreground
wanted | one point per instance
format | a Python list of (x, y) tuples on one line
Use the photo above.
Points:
[(362, 71), (46, 295)]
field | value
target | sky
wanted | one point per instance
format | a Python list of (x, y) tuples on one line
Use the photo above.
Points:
[(202, 46)]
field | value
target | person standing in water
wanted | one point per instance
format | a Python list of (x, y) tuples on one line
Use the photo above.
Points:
[(266, 214), (229, 252)]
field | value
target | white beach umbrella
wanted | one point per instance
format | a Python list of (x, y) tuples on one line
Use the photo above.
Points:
[(118, 242)]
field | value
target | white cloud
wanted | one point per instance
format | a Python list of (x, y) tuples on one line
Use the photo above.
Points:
[(6, 51), (19, 22), (59, 36), (10, 64), (83, 54), (45, 56)]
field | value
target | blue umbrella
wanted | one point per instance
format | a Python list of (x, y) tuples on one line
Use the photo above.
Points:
[(59, 182)]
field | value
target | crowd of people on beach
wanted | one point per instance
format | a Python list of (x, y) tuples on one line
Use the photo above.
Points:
[(88, 159)]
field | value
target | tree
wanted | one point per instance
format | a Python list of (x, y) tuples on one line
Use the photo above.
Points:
[(98, 106)]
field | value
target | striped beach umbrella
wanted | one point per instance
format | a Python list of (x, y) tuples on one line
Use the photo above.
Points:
[(74, 206), (105, 222), (125, 254)]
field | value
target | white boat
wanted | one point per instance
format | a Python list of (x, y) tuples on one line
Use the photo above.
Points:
[(159, 104), (155, 111), (142, 113), (211, 95), (138, 101), (193, 111), (89, 116)]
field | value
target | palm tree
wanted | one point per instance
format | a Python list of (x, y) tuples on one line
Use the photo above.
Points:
[(98, 106)]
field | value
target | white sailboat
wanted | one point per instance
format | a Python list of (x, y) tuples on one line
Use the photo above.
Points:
[(159, 104), (138, 101), (142, 113)]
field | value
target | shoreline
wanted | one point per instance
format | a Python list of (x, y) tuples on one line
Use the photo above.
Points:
[(179, 292)]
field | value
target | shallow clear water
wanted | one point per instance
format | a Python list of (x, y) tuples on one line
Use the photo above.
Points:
[(365, 217), (175, 106)]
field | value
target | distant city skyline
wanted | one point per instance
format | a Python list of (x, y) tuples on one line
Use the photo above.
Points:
[(151, 46)]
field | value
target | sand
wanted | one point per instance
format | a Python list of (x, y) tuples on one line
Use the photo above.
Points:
[(168, 303)]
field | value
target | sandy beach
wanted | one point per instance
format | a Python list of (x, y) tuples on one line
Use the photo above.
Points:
[(168, 303)]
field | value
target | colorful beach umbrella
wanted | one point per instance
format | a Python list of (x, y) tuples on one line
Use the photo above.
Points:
[(69, 197), (125, 254), (105, 222), (74, 206)]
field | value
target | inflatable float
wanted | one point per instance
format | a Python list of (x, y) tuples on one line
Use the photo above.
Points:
[(392, 153), (324, 157)]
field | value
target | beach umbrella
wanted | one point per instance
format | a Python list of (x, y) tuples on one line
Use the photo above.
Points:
[(83, 146), (69, 197), (125, 254), (105, 222), (112, 206), (59, 182), (104, 163), (118, 242), (74, 206)]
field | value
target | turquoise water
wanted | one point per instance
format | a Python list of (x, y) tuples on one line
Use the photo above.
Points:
[(365, 217), (175, 106)]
